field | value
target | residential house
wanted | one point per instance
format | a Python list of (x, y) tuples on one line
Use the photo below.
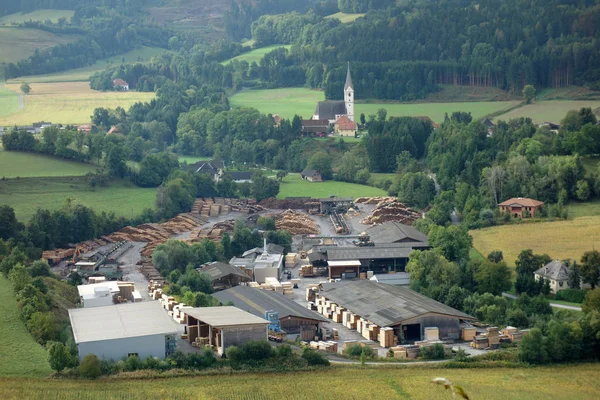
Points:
[(214, 168), (277, 119), (553, 127), (311, 175), (120, 84), (241, 176), (489, 125), (521, 207), (85, 128), (557, 272), (345, 127)]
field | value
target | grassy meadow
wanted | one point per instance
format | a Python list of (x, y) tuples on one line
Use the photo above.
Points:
[(257, 54), (26, 165), (294, 186), (550, 110), (143, 54), (20, 354), (37, 15), (559, 239), (290, 101), (344, 17), (9, 101), (192, 159), (26, 195), (67, 103), (19, 43), (561, 382)]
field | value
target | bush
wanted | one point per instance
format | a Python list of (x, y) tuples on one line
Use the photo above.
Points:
[(251, 353), (571, 295), (133, 363), (313, 357), (108, 367), (90, 367), (356, 351), (435, 352)]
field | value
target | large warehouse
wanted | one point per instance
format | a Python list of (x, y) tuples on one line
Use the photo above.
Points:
[(293, 317), (407, 312), (118, 331)]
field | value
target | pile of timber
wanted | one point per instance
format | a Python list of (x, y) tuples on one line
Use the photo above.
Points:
[(306, 271), (373, 200), (151, 273), (406, 352), (290, 203), (57, 255), (492, 338), (329, 346), (213, 207), (214, 233), (393, 210), (296, 223)]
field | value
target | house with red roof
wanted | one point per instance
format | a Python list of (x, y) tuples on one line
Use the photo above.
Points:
[(344, 126), (120, 84), (521, 207)]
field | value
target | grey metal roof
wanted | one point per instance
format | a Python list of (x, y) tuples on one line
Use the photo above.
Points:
[(218, 270), (120, 321), (391, 232), (224, 316), (556, 270), (384, 305), (272, 248), (257, 301), (309, 172), (379, 251), (240, 175), (328, 109), (399, 278)]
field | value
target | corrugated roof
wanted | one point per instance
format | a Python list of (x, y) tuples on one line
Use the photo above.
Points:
[(391, 232), (379, 251), (224, 316), (218, 270), (384, 305), (257, 301), (120, 321), (399, 278)]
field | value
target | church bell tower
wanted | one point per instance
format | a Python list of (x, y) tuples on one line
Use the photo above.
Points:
[(349, 95)]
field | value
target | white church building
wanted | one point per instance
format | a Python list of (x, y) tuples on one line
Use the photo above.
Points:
[(332, 110)]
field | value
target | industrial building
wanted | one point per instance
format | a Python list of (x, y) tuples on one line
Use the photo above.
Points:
[(335, 204), (395, 232), (105, 293), (293, 317), (398, 278), (372, 308), (224, 275), (117, 331), (221, 327), (265, 265)]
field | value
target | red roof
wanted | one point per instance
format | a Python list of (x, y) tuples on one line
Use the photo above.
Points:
[(119, 82), (345, 124), (522, 201), (277, 119)]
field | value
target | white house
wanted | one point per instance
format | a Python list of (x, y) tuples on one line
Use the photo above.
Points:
[(118, 331)]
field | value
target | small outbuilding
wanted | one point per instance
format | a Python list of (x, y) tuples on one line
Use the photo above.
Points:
[(224, 275), (311, 175), (117, 331), (221, 327)]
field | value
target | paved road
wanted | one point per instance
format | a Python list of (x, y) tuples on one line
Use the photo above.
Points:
[(556, 305)]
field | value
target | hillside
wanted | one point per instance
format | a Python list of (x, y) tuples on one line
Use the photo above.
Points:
[(37, 15), (19, 43)]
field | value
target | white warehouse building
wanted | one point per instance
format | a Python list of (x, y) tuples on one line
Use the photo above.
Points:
[(118, 331)]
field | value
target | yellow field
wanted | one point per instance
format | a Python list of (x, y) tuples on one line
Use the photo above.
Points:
[(67, 103), (550, 110), (563, 382), (559, 239)]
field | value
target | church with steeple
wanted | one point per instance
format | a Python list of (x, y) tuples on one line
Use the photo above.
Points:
[(332, 110)]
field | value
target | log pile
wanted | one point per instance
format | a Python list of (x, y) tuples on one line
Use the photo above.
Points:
[(373, 200), (294, 203), (296, 223), (393, 210), (222, 206), (214, 233)]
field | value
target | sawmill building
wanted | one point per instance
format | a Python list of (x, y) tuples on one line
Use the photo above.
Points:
[(293, 317), (407, 312), (224, 275)]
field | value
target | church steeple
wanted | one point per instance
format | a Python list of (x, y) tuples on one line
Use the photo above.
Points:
[(348, 79)]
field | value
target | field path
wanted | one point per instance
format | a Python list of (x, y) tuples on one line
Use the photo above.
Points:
[(555, 305)]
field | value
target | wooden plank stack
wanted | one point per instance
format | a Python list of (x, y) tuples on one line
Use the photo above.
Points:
[(329, 346), (386, 337), (432, 333), (468, 333), (200, 342)]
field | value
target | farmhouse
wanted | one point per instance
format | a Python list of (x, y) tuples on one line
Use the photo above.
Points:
[(293, 317), (224, 275), (311, 175), (395, 232), (557, 272), (489, 125), (85, 128), (315, 127), (376, 306), (331, 110), (521, 207), (224, 326), (120, 84), (214, 168), (345, 127), (118, 331)]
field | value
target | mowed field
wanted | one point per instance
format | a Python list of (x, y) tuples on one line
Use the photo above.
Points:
[(549, 110), (26, 195), (290, 101), (37, 15), (19, 43), (25, 165), (257, 54), (562, 382), (20, 355), (558, 239), (67, 103), (143, 54), (294, 186), (9, 101), (345, 18)]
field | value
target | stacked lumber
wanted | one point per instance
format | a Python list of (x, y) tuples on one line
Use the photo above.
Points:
[(292, 203), (126, 290), (306, 271), (386, 337), (406, 352), (432, 333), (392, 210), (373, 200), (179, 313), (296, 223), (151, 273), (493, 335), (57, 255), (329, 346), (291, 259), (288, 289), (468, 333), (201, 342)]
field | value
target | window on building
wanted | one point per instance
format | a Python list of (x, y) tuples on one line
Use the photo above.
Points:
[(560, 283)]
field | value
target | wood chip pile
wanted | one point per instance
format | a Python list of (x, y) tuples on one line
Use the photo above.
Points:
[(393, 210), (373, 200), (297, 223)]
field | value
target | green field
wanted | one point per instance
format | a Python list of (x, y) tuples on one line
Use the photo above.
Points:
[(19, 43), (345, 18), (294, 186), (290, 101), (20, 355), (67, 103), (27, 165), (584, 209), (37, 15), (9, 101), (257, 54), (143, 54), (551, 110), (560, 382), (192, 159), (26, 195)]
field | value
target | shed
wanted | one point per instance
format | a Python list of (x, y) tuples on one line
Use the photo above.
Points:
[(224, 275), (224, 326), (118, 331), (395, 232)]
